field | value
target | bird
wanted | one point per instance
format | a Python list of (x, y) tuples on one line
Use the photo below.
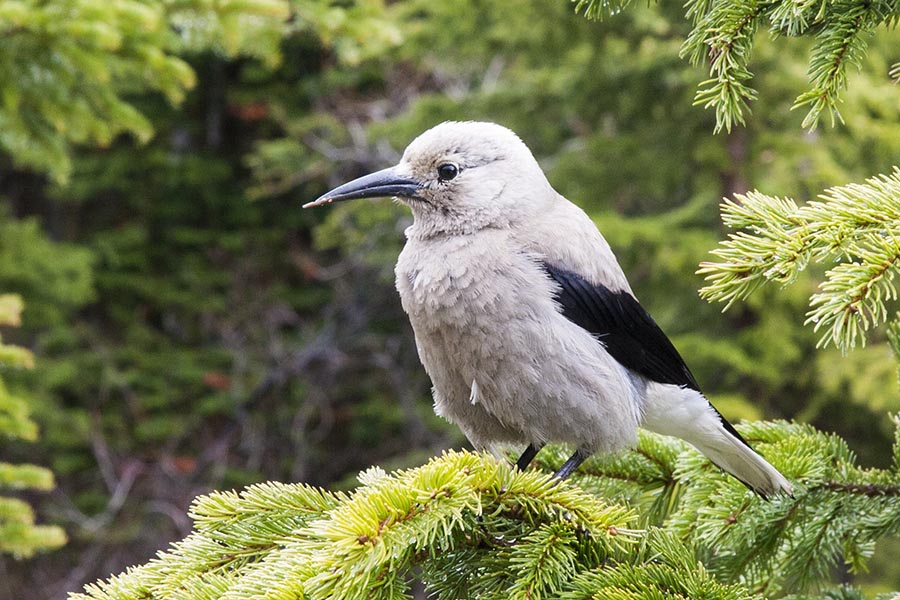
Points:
[(523, 318)]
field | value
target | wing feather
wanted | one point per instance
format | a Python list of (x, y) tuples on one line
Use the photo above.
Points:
[(627, 331), (623, 326)]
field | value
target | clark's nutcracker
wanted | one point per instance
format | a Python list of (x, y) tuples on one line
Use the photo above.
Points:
[(522, 316)]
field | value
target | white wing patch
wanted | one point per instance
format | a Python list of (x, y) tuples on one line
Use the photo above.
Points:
[(473, 395)]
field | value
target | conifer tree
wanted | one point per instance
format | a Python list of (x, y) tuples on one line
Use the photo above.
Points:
[(855, 225), (78, 74), (68, 69), (19, 535), (724, 33), (658, 521)]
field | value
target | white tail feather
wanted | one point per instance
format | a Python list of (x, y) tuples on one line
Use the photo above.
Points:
[(740, 460), (687, 414)]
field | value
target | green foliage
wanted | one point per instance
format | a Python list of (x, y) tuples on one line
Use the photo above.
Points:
[(354, 31), (169, 312), (724, 34), (190, 339), (477, 527), (19, 535), (783, 546), (228, 27), (55, 276), (854, 225), (67, 69), (473, 527), (838, 512)]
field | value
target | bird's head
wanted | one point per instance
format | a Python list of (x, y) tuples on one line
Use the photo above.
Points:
[(458, 177)]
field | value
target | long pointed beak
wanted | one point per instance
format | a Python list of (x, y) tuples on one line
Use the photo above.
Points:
[(381, 184)]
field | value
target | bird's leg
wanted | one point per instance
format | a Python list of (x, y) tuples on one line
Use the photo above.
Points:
[(527, 456), (573, 463)]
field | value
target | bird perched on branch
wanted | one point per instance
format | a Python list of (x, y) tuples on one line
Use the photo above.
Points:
[(524, 319)]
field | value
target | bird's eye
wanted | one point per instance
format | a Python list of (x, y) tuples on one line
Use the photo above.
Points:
[(447, 171)]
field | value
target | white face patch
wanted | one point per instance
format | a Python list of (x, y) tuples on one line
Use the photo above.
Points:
[(473, 176)]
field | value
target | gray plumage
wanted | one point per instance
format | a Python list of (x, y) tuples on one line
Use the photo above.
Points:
[(522, 316)]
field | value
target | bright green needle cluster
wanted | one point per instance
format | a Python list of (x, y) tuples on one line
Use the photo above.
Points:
[(469, 526), (69, 68), (855, 226), (723, 36), (464, 519), (19, 535)]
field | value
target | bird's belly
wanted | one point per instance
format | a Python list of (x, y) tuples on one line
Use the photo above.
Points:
[(506, 366)]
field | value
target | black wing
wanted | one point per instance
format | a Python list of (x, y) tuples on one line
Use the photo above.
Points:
[(624, 327)]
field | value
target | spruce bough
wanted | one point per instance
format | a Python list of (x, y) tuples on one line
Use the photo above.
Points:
[(724, 32), (853, 227), (19, 535), (656, 521)]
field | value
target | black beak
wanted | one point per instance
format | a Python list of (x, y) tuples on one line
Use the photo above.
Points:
[(381, 184)]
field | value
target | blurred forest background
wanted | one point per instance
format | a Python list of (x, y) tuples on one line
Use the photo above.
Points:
[(193, 329)]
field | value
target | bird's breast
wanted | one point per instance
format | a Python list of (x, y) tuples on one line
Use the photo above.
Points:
[(474, 303), (463, 282), (492, 339)]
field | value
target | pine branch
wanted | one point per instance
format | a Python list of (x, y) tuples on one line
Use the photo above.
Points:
[(855, 224), (841, 44), (19, 535), (869, 489), (597, 10), (643, 478), (795, 18), (723, 34), (854, 296), (300, 541), (661, 568), (787, 544), (68, 70), (477, 528)]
